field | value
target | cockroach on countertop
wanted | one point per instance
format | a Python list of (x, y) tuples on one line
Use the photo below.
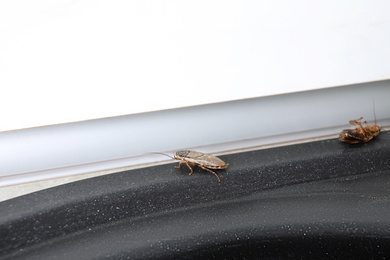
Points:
[(204, 161), (360, 134)]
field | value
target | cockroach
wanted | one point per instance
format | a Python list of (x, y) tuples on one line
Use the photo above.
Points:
[(204, 161), (360, 134)]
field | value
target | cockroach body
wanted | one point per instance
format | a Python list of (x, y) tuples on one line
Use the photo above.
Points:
[(205, 161), (360, 134)]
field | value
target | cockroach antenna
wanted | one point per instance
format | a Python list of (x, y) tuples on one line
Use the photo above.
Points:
[(373, 108), (164, 154)]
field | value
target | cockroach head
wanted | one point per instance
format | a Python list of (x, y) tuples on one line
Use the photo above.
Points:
[(181, 154)]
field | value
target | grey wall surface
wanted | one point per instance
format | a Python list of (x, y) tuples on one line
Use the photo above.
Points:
[(106, 143)]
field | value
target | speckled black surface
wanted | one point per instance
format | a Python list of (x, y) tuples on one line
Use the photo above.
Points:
[(323, 199)]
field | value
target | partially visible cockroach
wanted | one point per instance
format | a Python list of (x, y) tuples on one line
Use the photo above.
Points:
[(204, 161), (360, 134)]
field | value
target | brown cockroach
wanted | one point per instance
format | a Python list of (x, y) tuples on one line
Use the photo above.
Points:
[(360, 134), (204, 161)]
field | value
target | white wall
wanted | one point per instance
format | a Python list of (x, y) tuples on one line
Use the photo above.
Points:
[(66, 61)]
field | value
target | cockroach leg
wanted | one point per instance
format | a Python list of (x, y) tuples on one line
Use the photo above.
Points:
[(204, 168), (356, 122), (179, 164), (188, 165)]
